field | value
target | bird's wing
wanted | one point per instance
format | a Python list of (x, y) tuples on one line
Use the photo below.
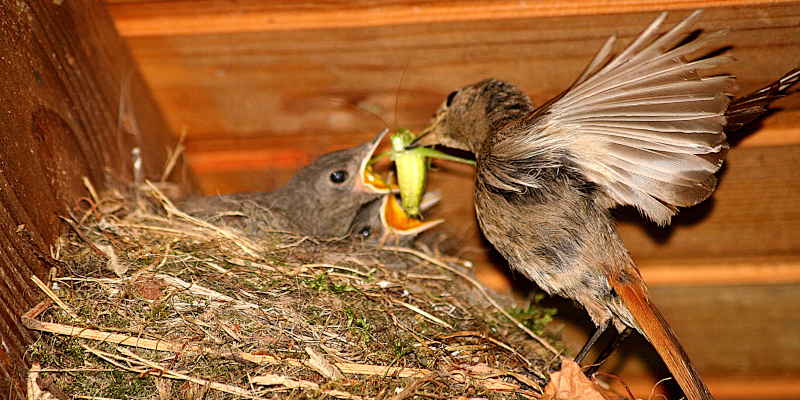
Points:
[(644, 125)]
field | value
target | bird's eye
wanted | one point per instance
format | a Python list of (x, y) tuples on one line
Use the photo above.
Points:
[(338, 176), (450, 98), (365, 232)]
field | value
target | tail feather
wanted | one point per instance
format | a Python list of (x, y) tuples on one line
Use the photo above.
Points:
[(653, 325), (746, 109)]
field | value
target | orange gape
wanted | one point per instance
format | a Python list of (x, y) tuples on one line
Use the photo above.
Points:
[(371, 179)]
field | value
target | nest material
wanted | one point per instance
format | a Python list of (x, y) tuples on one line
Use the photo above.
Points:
[(154, 304)]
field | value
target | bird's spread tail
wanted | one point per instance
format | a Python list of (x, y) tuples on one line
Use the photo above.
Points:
[(653, 325), (746, 109)]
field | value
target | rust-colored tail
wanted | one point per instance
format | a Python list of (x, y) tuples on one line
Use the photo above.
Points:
[(653, 325)]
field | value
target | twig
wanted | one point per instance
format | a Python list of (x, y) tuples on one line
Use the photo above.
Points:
[(80, 234), (174, 154), (53, 297), (380, 370), (92, 334), (201, 291), (481, 289), (167, 373), (411, 389), (423, 313), (485, 337), (291, 383), (162, 229), (244, 244), (332, 266), (429, 277)]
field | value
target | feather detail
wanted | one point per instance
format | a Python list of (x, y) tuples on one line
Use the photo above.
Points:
[(746, 109), (645, 126), (653, 326)]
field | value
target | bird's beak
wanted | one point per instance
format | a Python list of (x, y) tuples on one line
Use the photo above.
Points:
[(397, 223), (368, 181), (430, 135)]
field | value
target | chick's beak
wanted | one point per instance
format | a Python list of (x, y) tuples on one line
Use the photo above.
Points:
[(396, 222), (368, 181)]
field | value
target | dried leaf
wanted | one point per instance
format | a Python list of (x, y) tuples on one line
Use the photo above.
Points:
[(150, 288), (113, 264), (571, 384), (321, 365)]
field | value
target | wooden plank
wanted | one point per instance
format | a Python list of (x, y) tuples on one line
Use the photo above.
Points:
[(61, 80), (238, 92), (188, 17), (732, 270), (734, 387), (737, 330)]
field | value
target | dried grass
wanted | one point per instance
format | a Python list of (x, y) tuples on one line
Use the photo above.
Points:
[(203, 312)]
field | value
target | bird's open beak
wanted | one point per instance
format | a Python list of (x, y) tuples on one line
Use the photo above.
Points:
[(370, 182), (396, 222)]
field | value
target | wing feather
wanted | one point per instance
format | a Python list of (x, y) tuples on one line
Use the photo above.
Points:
[(644, 125)]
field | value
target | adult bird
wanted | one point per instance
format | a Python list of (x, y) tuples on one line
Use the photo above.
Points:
[(643, 128)]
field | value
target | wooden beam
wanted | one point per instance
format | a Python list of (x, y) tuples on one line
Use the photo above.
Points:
[(218, 154), (191, 17), (732, 270), (61, 80), (257, 101)]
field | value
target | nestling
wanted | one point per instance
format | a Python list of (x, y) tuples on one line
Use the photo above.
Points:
[(322, 199)]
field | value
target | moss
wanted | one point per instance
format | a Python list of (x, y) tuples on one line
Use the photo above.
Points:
[(534, 316), (278, 310)]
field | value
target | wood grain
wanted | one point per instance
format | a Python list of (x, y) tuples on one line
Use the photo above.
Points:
[(243, 97), (61, 80), (190, 17)]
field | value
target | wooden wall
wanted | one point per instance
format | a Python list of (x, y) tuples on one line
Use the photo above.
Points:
[(62, 72), (260, 88)]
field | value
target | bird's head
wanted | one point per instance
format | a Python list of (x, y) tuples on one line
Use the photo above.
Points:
[(342, 173), (469, 115)]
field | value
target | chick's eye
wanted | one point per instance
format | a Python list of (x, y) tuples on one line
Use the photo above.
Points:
[(365, 232), (338, 176), (450, 98)]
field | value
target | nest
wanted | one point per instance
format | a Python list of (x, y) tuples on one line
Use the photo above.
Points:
[(151, 303)]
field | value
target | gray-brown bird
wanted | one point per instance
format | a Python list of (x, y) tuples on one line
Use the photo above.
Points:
[(383, 221), (322, 199), (644, 128)]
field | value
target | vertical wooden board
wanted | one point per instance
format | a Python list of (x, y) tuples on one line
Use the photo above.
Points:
[(63, 73)]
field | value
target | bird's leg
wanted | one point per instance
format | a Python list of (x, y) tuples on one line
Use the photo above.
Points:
[(610, 348), (592, 340)]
